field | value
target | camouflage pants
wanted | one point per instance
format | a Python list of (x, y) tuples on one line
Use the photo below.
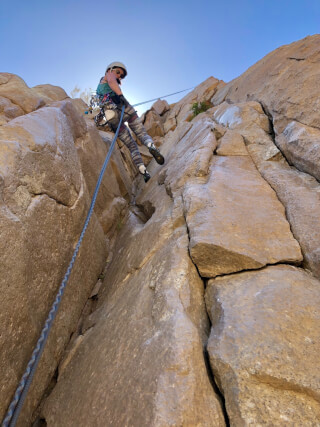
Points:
[(135, 124)]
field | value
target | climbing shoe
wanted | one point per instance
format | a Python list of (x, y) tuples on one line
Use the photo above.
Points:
[(156, 154), (144, 173), (146, 176)]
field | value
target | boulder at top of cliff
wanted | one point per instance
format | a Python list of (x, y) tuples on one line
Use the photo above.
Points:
[(50, 92), (15, 89), (153, 124), (284, 81), (16, 98), (160, 107)]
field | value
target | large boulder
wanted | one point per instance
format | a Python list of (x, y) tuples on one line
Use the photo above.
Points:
[(153, 124), (264, 345), (300, 145), (235, 220), (50, 92), (16, 91), (16, 98)]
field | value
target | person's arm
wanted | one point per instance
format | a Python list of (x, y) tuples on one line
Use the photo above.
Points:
[(111, 79)]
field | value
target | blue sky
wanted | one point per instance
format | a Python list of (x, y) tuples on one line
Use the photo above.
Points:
[(167, 45)]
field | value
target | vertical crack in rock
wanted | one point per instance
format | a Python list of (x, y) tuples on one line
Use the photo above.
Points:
[(272, 134), (214, 386)]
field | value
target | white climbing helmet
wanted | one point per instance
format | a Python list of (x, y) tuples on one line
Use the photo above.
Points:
[(117, 65)]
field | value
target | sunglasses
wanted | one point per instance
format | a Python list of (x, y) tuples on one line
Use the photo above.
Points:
[(118, 72)]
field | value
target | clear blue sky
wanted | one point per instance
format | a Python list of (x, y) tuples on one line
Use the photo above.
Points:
[(167, 45)]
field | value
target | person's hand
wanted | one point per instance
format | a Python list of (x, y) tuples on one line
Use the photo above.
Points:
[(120, 100)]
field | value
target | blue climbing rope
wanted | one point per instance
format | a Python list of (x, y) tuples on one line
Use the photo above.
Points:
[(25, 382)]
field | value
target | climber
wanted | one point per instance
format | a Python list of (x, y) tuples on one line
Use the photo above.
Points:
[(112, 99)]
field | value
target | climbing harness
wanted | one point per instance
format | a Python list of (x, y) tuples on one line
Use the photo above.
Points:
[(103, 108), (16, 404)]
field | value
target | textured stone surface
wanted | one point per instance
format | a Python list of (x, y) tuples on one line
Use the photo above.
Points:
[(141, 362), (264, 346), (284, 81), (300, 194), (232, 144), (50, 93), (235, 220), (182, 109), (300, 145), (190, 157), (15, 89), (16, 98), (44, 200), (249, 120), (153, 124), (160, 107), (244, 115), (137, 354)]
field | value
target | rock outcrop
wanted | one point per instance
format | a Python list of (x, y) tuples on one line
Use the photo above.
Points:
[(49, 164), (207, 311)]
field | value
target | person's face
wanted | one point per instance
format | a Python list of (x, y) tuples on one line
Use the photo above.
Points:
[(118, 72)]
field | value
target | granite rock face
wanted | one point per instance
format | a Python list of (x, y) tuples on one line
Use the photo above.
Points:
[(263, 348), (284, 82), (46, 185), (235, 220), (206, 313)]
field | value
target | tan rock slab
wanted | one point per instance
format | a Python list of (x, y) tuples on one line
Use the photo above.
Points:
[(235, 220), (8, 110), (141, 362), (232, 144), (190, 156), (264, 345), (300, 144), (300, 194)]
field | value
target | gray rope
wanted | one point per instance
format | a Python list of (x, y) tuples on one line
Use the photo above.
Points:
[(15, 407), (165, 96)]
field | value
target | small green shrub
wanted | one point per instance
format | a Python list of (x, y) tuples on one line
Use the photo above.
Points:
[(199, 107)]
